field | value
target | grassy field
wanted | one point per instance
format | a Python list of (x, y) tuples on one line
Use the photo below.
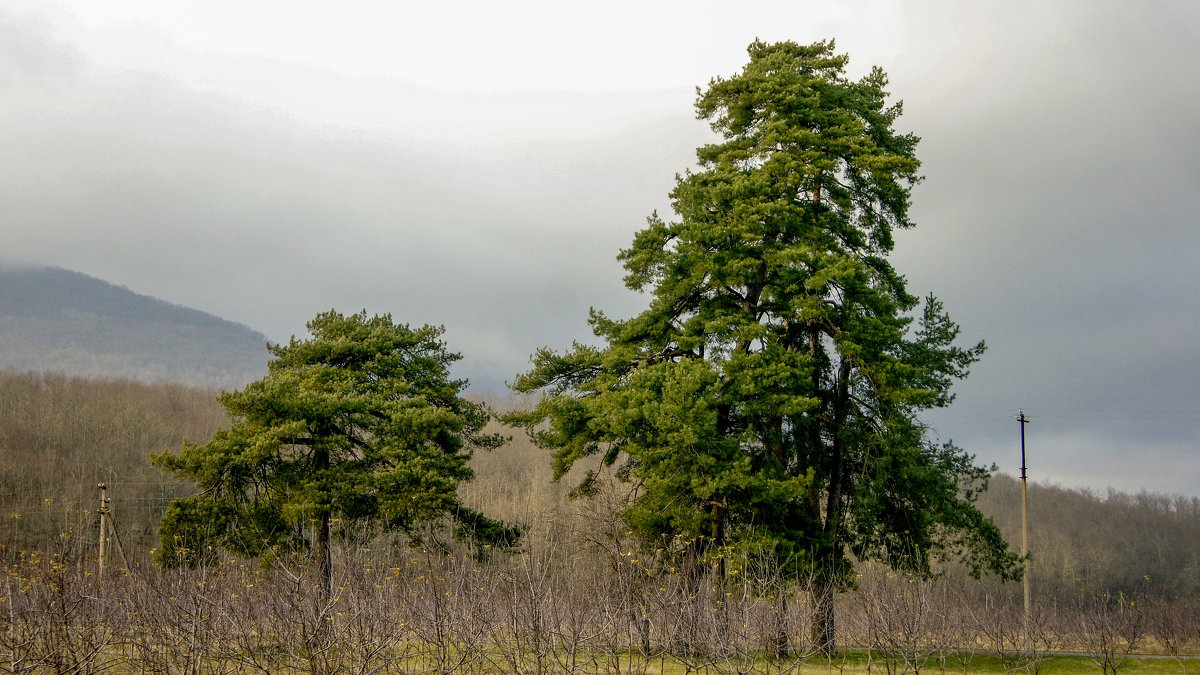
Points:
[(861, 662)]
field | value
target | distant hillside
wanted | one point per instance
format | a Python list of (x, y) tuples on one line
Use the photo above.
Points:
[(1110, 540), (55, 320)]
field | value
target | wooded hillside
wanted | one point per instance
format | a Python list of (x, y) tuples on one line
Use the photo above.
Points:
[(60, 436), (1111, 540)]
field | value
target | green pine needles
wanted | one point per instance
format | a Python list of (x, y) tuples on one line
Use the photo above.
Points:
[(768, 399), (360, 426)]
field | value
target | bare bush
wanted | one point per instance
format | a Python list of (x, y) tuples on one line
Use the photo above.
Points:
[(1020, 642), (1110, 628), (1173, 625), (895, 619)]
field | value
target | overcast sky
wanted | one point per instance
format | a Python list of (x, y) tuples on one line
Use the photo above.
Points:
[(480, 164)]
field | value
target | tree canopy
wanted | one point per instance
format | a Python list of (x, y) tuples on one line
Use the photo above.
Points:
[(359, 426), (769, 397)]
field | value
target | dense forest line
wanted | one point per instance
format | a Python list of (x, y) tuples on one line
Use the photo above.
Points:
[(1112, 540), (60, 436)]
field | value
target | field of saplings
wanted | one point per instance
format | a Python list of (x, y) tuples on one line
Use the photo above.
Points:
[(1113, 575)]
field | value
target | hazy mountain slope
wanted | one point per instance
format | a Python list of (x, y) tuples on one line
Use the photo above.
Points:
[(55, 320)]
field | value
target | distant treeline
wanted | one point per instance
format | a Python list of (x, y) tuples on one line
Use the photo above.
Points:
[(1111, 540), (60, 436)]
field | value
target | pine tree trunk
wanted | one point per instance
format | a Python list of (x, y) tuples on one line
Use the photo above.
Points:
[(823, 626), (324, 556), (692, 571), (825, 584), (779, 645), (322, 553)]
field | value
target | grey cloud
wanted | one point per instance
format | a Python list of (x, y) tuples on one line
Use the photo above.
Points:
[(265, 219), (1057, 219), (30, 55)]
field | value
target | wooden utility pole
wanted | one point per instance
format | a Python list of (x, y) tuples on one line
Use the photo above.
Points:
[(108, 529), (1024, 519), (103, 511)]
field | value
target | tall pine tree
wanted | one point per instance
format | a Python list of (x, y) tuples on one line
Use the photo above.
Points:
[(361, 425), (768, 400)]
